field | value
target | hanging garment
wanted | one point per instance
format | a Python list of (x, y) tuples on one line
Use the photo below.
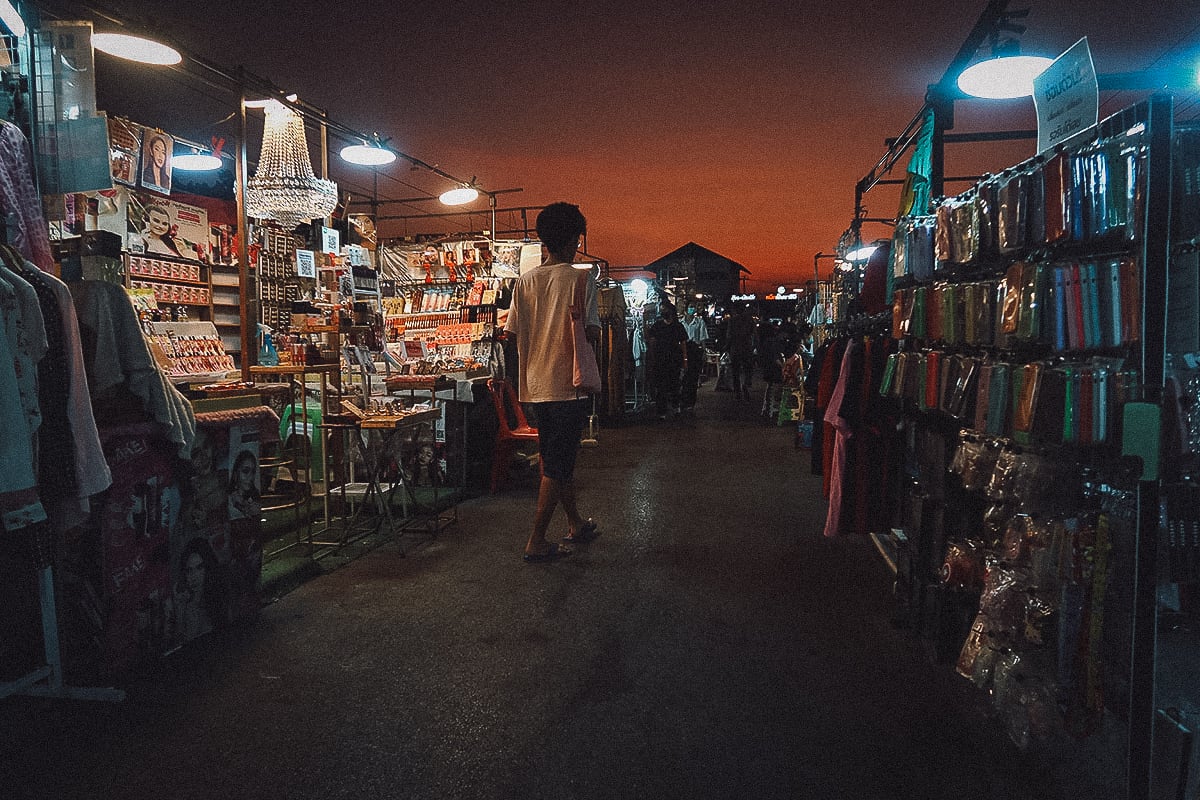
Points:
[(26, 334), (119, 361), (20, 200), (70, 456), (20, 505), (92, 474), (842, 434)]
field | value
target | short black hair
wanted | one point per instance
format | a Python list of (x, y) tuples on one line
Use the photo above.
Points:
[(560, 224), (666, 308)]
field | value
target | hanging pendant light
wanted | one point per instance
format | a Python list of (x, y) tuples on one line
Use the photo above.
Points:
[(284, 187), (368, 153), (459, 196), (136, 48)]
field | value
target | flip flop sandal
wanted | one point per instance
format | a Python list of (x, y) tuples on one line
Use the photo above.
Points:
[(555, 552), (587, 531)]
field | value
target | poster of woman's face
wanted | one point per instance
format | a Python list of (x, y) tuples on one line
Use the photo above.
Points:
[(156, 161)]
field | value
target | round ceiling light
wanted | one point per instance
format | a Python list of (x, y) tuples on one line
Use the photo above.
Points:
[(460, 196), (367, 155), (1003, 78), (136, 48), (196, 162)]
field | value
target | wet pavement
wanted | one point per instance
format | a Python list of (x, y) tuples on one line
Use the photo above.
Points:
[(709, 644)]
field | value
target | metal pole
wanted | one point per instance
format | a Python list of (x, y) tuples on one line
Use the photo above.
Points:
[(1144, 636), (249, 352)]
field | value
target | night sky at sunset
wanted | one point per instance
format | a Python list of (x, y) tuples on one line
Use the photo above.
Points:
[(741, 126)]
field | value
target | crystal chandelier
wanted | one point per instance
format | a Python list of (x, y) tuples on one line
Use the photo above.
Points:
[(284, 187)]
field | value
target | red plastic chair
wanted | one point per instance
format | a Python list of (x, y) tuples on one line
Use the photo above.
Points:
[(508, 436)]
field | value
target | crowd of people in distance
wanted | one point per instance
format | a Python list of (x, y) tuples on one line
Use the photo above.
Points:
[(671, 351)]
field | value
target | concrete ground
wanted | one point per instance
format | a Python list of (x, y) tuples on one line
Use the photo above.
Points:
[(709, 644)]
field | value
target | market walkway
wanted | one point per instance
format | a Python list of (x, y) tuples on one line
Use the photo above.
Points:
[(710, 644)]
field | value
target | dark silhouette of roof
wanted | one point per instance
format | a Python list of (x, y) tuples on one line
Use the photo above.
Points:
[(706, 261)]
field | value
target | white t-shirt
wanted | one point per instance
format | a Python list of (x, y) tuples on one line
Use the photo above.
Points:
[(696, 328), (540, 319)]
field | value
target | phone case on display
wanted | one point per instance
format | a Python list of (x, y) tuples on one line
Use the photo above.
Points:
[(949, 375), (1027, 402), (889, 375), (1131, 301), (983, 393), (918, 327), (935, 324), (1077, 182), (1047, 424), (986, 310), (1059, 307), (1000, 339), (899, 255), (1108, 287), (1015, 390), (1100, 409), (1098, 186), (933, 369), (920, 248), (962, 397), (985, 216), (914, 387), (1074, 302), (1029, 318), (1092, 312), (1035, 203), (1014, 280), (1086, 418), (1057, 198), (964, 231), (1010, 213), (942, 252), (898, 314), (950, 314), (997, 413), (1070, 427), (968, 300)]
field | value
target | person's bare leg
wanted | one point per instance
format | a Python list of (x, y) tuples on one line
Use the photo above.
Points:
[(549, 493), (567, 496)]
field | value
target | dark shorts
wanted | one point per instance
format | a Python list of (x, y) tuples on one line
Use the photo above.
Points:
[(560, 427)]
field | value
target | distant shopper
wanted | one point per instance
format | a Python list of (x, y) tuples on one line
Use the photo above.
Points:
[(697, 333), (666, 358), (739, 344), (539, 319)]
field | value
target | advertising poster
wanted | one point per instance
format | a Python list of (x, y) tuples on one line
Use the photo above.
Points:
[(157, 226), (156, 161), (138, 518), (244, 483), (124, 149)]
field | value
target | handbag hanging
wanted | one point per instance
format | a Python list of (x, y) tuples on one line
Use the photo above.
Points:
[(586, 374)]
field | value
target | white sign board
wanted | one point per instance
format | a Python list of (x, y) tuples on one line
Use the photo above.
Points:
[(306, 264), (331, 241), (1067, 96)]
